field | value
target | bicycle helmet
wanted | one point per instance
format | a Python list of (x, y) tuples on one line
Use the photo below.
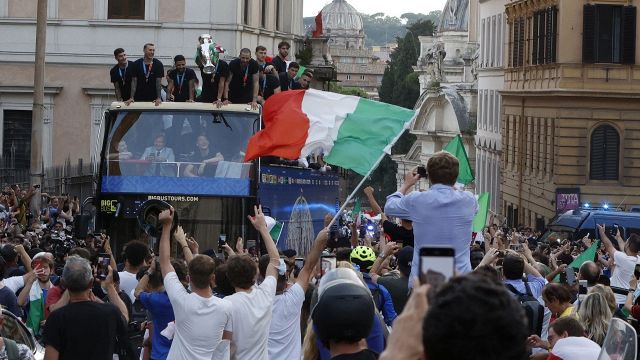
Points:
[(345, 310), (363, 256)]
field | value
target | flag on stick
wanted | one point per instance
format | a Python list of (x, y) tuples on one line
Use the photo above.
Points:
[(480, 220), (352, 132), (456, 147), (587, 255)]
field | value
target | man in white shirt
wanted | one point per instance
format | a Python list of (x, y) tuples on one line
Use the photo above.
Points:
[(625, 261), (441, 216), (284, 333), (251, 303), (202, 320)]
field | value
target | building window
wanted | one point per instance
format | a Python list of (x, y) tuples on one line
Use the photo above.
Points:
[(543, 42), (246, 12), (278, 22), (126, 9), (609, 34), (348, 77), (518, 30), (605, 144), (362, 77), (263, 15), (16, 139)]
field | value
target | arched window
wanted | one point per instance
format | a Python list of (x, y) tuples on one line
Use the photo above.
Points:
[(605, 147)]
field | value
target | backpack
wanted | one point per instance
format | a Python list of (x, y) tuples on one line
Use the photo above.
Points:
[(11, 347), (532, 309)]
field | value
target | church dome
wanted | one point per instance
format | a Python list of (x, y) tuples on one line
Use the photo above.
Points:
[(340, 16), (343, 25)]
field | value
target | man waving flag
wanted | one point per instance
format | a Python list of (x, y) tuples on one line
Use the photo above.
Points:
[(352, 132)]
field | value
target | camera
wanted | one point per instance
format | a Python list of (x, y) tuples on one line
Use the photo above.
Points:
[(422, 171)]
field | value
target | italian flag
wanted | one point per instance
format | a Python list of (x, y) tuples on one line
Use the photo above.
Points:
[(352, 132)]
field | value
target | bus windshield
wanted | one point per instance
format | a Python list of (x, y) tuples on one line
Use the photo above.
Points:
[(178, 152)]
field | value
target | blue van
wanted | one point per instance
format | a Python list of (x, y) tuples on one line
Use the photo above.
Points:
[(575, 224)]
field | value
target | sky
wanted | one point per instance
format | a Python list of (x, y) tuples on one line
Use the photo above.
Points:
[(392, 8)]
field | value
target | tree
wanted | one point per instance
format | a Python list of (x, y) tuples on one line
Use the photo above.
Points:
[(345, 90)]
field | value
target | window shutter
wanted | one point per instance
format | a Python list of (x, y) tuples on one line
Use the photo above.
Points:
[(521, 42), (588, 34), (552, 19), (536, 39), (604, 158), (628, 45)]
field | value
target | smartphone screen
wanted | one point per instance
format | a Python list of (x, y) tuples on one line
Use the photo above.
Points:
[(299, 263), (102, 268), (327, 263), (37, 265), (516, 247), (436, 265), (571, 276)]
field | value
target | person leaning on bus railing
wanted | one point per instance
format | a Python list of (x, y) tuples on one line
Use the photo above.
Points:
[(203, 155), (159, 153), (122, 153)]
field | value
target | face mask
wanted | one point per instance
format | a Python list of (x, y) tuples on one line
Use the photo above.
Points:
[(282, 267)]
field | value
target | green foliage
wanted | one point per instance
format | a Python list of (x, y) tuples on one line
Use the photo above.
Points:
[(304, 55), (334, 87)]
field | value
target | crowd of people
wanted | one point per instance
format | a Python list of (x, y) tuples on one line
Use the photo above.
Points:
[(243, 80), (512, 296)]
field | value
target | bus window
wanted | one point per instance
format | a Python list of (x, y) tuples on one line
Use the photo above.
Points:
[(195, 153)]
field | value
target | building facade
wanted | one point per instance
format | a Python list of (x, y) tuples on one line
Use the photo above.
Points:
[(356, 65), (448, 101), (490, 69), (81, 37), (570, 109)]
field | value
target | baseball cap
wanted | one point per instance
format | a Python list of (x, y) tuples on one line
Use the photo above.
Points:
[(405, 257)]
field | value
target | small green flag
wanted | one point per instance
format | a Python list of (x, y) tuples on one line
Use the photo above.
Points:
[(456, 147), (301, 71), (480, 220), (276, 231), (587, 255), (357, 207)]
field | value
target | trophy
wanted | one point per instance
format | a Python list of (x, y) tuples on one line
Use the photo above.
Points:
[(208, 53)]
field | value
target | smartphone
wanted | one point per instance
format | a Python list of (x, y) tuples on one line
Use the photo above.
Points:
[(636, 272), (36, 186), (327, 263), (571, 276), (582, 290), (222, 241), (102, 268), (436, 265), (422, 171), (37, 265), (299, 263), (516, 247)]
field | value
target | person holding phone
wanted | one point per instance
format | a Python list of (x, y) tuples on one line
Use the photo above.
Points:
[(625, 261), (442, 215), (34, 292)]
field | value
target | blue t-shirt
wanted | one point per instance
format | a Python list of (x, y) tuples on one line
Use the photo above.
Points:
[(158, 304), (9, 300)]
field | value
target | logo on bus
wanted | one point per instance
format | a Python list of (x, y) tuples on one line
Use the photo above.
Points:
[(108, 206)]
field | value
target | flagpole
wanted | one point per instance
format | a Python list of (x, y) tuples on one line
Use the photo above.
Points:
[(350, 197)]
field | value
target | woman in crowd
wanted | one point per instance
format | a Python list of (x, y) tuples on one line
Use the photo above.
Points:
[(558, 299), (594, 314)]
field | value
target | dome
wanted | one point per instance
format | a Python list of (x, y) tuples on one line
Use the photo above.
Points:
[(339, 15), (343, 25)]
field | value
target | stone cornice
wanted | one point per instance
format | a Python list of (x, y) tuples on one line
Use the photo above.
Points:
[(21, 89)]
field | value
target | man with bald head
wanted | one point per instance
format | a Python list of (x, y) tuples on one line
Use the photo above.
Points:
[(589, 271)]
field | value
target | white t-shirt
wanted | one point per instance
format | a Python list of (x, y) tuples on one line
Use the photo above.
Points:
[(128, 283), (251, 320), (14, 283), (284, 333), (622, 273), (200, 322)]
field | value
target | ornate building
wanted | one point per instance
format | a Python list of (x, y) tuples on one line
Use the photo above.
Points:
[(81, 38), (491, 32), (447, 106), (570, 109), (355, 64)]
